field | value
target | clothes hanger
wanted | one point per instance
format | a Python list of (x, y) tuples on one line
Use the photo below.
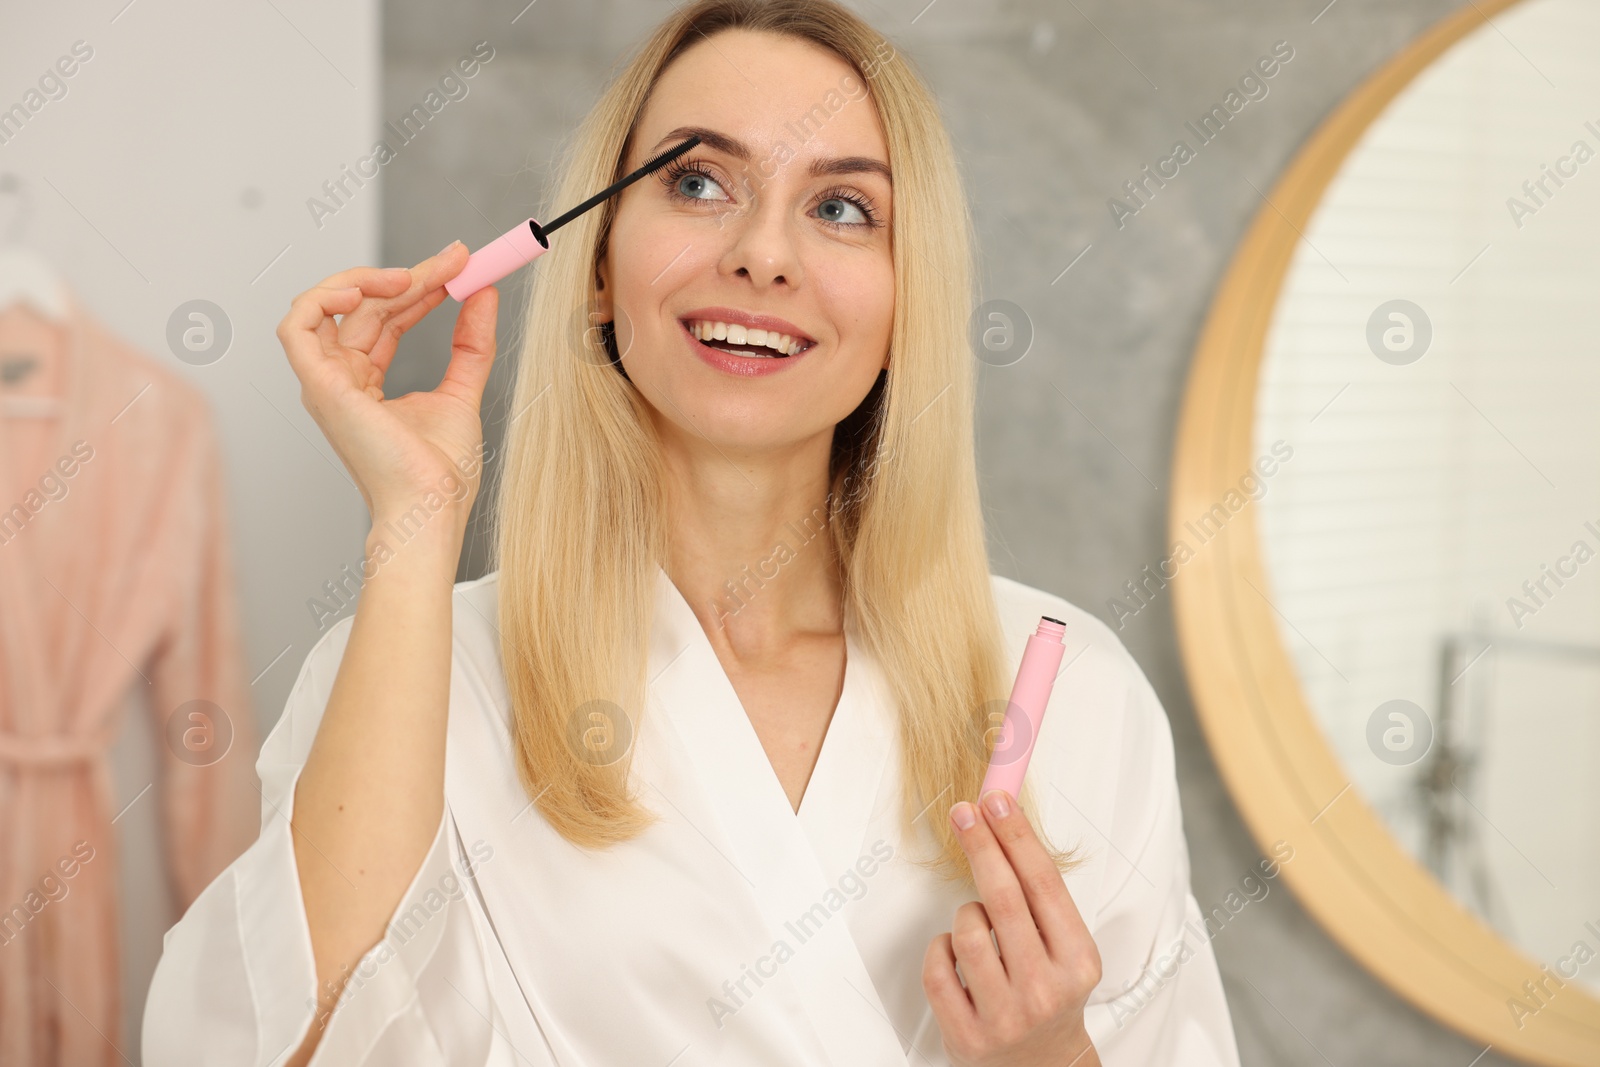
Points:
[(26, 278)]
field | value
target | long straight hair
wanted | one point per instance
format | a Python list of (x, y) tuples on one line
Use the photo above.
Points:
[(579, 525)]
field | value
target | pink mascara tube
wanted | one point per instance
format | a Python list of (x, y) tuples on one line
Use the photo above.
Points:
[(1041, 661), (527, 240)]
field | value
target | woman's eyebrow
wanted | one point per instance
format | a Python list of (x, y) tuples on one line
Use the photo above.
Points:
[(739, 150)]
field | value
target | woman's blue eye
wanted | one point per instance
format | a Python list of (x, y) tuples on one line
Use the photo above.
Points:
[(836, 208), (833, 214), (697, 177)]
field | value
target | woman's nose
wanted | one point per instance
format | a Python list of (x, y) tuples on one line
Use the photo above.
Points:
[(763, 242)]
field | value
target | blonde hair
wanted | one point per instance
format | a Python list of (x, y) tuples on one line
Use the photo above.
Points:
[(579, 525)]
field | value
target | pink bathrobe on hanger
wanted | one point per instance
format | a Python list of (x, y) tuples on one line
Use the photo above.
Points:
[(115, 572)]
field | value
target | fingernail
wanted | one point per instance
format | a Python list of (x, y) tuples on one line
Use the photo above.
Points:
[(448, 247), (998, 803), (963, 815)]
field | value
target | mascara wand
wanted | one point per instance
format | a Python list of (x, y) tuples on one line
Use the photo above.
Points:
[(527, 241)]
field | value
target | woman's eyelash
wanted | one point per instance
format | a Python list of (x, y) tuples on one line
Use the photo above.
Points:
[(674, 172), (850, 196)]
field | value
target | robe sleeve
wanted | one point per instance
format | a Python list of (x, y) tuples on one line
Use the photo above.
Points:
[(236, 982), (198, 692), (1160, 1001)]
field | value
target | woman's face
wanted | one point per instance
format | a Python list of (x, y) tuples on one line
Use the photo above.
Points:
[(783, 210)]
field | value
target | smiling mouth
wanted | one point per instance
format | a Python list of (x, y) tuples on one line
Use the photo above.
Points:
[(739, 341)]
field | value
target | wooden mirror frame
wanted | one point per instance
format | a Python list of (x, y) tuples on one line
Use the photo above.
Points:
[(1371, 896)]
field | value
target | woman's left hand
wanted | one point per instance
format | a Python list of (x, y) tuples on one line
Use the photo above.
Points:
[(1023, 1005)]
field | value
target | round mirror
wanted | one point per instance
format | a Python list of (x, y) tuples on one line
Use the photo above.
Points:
[(1386, 522)]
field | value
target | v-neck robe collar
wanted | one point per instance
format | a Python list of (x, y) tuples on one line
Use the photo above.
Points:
[(790, 861)]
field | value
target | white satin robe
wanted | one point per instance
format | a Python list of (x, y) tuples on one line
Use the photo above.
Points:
[(733, 932)]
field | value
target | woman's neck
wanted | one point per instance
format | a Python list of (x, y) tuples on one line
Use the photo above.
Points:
[(750, 548)]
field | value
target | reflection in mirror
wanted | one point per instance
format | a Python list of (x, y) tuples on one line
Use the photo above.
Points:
[(1433, 547)]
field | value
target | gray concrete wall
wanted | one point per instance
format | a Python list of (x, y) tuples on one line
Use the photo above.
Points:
[(1052, 107)]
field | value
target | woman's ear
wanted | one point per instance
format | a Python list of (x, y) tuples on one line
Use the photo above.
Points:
[(602, 287)]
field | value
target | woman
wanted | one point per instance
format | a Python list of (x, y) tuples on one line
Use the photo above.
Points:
[(581, 811)]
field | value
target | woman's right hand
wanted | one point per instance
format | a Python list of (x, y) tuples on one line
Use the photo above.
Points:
[(399, 450)]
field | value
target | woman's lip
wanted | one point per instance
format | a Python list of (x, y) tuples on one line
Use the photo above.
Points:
[(736, 364), (770, 323)]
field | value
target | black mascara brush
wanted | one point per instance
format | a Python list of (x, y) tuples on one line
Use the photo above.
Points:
[(527, 241)]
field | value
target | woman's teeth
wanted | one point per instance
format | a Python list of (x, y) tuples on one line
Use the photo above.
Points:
[(781, 344)]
